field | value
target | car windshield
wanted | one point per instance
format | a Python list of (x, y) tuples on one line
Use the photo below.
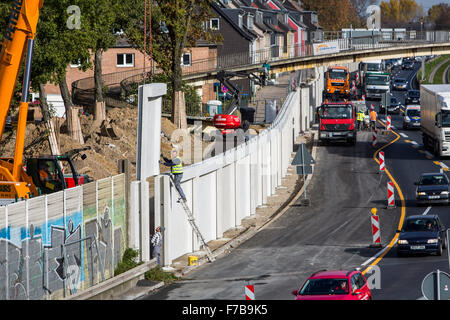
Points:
[(336, 112), (414, 94), (325, 287), (413, 113), (433, 180), (338, 74), (420, 224), (373, 67), (445, 118), (399, 80), (377, 80)]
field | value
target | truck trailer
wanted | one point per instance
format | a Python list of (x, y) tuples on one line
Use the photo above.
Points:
[(435, 118)]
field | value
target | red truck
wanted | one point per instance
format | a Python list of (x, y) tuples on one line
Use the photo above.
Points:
[(337, 122)]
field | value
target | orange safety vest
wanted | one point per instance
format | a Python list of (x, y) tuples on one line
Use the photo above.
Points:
[(373, 116)]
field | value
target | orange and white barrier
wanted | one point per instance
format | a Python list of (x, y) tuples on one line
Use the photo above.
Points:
[(382, 165), (391, 196), (249, 292), (376, 234)]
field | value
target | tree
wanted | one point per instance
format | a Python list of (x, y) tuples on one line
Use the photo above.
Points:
[(439, 16), (99, 18), (397, 13), (334, 15), (175, 25)]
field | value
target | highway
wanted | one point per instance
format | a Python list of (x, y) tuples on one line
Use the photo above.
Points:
[(334, 232)]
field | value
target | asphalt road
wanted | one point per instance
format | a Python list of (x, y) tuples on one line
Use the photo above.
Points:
[(334, 232), (407, 159)]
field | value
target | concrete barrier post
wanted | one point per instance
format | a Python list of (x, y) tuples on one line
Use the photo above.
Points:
[(134, 216)]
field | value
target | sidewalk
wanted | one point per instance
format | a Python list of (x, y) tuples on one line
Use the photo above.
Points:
[(286, 194)]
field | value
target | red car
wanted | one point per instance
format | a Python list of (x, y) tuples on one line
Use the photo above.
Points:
[(335, 285)]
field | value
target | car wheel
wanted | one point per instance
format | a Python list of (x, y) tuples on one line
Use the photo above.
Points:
[(444, 243), (439, 250)]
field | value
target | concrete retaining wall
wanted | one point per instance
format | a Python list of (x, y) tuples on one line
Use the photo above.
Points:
[(223, 190)]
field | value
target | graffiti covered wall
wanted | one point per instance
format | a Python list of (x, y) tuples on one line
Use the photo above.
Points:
[(56, 245)]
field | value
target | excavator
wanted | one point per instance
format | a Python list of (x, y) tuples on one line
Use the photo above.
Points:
[(41, 175), (227, 122)]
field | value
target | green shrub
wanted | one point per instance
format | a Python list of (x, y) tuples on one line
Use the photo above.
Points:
[(158, 274), (129, 261)]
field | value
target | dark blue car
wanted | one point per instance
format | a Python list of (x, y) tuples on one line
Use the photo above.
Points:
[(432, 188), (422, 234)]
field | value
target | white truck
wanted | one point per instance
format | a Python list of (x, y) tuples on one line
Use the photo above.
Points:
[(435, 118)]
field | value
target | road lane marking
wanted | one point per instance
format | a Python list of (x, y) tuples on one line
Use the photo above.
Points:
[(380, 255), (407, 141), (426, 211), (429, 154), (403, 135), (414, 143)]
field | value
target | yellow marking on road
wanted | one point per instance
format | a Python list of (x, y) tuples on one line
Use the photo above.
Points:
[(421, 151), (428, 157), (407, 141), (403, 206)]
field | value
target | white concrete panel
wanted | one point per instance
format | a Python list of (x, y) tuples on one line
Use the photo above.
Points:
[(226, 199), (178, 229), (242, 189), (205, 207)]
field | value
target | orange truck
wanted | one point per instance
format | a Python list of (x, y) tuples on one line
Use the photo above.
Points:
[(18, 181), (337, 83)]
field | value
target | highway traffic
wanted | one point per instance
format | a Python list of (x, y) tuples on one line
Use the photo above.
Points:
[(334, 232)]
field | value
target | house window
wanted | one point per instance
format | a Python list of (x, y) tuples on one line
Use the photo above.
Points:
[(214, 24), (125, 60), (186, 59), (250, 21), (240, 21)]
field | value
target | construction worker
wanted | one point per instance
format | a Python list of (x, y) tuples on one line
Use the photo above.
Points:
[(157, 244), (176, 170), (373, 118), (360, 118)]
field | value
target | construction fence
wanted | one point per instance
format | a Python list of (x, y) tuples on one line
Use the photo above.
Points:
[(56, 245)]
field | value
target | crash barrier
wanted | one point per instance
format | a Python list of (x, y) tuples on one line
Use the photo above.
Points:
[(250, 292), (376, 235), (223, 190), (374, 138), (382, 165), (391, 194), (56, 245)]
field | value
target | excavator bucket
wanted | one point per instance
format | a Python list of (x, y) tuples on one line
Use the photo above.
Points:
[(107, 130)]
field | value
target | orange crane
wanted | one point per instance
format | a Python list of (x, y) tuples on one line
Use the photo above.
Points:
[(16, 182)]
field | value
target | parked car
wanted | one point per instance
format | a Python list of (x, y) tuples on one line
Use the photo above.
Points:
[(411, 117), (413, 97), (335, 285), (432, 188), (422, 234), (400, 84)]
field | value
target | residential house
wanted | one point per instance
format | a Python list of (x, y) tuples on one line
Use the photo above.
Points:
[(238, 46), (315, 31)]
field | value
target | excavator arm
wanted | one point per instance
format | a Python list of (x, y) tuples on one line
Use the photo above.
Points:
[(17, 45)]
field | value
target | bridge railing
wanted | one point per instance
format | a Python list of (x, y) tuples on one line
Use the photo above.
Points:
[(124, 84)]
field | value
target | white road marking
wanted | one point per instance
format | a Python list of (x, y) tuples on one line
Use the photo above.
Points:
[(426, 211), (403, 135), (414, 143)]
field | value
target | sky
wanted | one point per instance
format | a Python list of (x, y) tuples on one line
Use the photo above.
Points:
[(427, 4)]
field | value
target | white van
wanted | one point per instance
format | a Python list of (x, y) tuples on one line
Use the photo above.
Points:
[(411, 117)]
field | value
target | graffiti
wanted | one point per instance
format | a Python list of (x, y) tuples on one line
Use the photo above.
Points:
[(58, 257)]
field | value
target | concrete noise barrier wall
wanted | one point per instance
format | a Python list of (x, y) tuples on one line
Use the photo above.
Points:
[(223, 190)]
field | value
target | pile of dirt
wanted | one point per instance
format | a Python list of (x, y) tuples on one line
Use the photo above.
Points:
[(102, 159)]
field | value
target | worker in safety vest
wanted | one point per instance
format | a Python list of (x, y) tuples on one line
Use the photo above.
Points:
[(176, 170), (373, 117), (360, 118)]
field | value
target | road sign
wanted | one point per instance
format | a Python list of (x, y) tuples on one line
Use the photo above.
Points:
[(436, 286), (224, 89), (303, 157), (304, 170)]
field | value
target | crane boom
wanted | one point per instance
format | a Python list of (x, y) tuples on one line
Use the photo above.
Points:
[(17, 45)]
